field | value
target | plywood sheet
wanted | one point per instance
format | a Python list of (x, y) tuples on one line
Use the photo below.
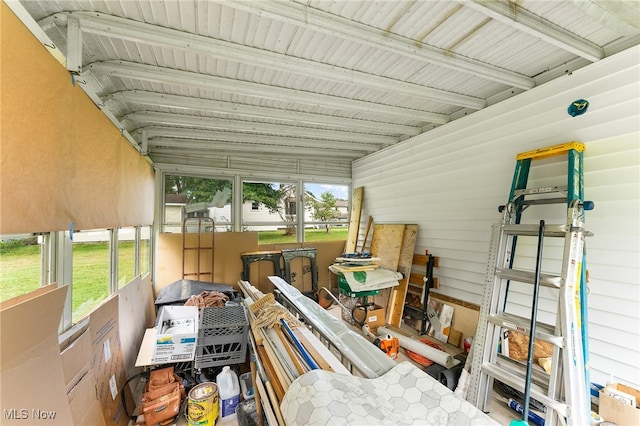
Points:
[(386, 243), (399, 293)]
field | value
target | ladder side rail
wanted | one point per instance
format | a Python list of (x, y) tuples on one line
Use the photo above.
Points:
[(487, 334), (555, 389), (520, 178), (477, 350)]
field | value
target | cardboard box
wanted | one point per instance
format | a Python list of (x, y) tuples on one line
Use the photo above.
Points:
[(33, 384), (76, 359), (107, 361), (614, 408), (84, 404), (176, 334), (376, 317)]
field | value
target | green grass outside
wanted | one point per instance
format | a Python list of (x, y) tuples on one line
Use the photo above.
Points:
[(19, 270), (310, 235), (20, 266)]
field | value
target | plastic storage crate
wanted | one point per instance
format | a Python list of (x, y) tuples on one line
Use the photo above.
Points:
[(222, 336)]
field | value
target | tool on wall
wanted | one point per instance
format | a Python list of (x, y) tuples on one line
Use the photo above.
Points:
[(565, 391)]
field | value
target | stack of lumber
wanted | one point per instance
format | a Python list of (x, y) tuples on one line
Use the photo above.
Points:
[(284, 350)]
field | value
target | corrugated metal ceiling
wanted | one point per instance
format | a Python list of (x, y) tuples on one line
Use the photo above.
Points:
[(309, 86)]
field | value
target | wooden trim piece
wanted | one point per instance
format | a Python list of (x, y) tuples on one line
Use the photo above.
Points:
[(271, 372), (317, 357), (366, 233), (354, 220), (422, 259), (287, 345), (454, 301)]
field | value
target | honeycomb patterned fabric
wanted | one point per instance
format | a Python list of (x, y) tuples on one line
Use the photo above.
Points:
[(405, 395)]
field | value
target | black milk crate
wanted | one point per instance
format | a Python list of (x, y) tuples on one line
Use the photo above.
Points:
[(222, 336)]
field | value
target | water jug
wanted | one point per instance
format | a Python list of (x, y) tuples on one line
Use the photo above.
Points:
[(229, 391)]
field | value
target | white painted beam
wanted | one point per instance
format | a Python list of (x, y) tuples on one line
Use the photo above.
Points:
[(357, 32), (215, 147), (127, 29), (168, 119), (253, 111), (123, 69), (154, 133), (74, 46), (512, 14)]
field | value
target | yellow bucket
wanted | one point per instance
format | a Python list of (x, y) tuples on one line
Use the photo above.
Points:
[(202, 404)]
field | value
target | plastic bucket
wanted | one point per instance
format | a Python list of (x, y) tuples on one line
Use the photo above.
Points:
[(202, 404)]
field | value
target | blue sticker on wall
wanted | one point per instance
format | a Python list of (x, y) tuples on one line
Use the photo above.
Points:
[(578, 107)]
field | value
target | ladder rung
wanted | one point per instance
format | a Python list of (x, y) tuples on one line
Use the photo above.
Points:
[(544, 190), (519, 369), (541, 201), (534, 229), (544, 331), (518, 383), (529, 277)]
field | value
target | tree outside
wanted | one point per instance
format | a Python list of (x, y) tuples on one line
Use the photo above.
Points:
[(324, 209)]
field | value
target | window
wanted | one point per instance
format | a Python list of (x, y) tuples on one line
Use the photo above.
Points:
[(145, 250), (290, 206), (126, 255), (275, 218), (280, 211), (189, 196), (326, 212), (91, 259), (20, 265)]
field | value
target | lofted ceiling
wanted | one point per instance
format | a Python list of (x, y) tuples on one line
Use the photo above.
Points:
[(308, 86)]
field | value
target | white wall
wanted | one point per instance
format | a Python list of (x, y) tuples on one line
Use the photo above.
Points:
[(451, 180)]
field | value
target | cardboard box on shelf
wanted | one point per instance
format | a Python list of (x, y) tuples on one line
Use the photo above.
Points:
[(615, 406), (176, 334)]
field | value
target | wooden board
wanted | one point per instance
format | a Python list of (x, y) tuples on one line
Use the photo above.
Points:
[(399, 293), (311, 349), (386, 243), (416, 279), (354, 220)]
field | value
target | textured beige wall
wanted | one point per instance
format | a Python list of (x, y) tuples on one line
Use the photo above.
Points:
[(62, 160)]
